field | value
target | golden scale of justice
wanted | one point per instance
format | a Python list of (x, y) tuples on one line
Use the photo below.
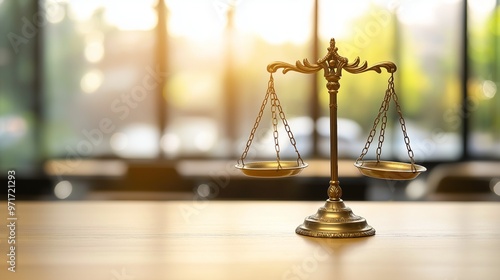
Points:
[(334, 219)]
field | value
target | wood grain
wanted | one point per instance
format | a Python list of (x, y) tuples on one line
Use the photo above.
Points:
[(249, 240)]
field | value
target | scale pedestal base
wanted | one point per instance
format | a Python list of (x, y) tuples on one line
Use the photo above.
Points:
[(335, 220)]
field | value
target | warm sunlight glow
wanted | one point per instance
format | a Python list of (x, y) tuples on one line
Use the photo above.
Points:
[(118, 141), (337, 17), (131, 14), (481, 8), (124, 15), (489, 89), (191, 135), (423, 12), (55, 12), (170, 144), (94, 52), (418, 13), (276, 22), (136, 140), (184, 93), (94, 46), (205, 139), (82, 10), (91, 81), (198, 20)]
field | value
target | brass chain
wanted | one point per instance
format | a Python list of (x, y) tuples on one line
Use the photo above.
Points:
[(275, 105), (382, 111), (381, 136), (274, 119), (256, 124), (390, 93), (403, 124)]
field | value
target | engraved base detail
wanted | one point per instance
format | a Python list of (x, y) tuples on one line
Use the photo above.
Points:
[(335, 220)]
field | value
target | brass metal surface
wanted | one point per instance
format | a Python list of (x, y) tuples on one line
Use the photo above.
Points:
[(390, 94), (334, 219), (332, 65), (389, 170), (271, 168), (276, 111)]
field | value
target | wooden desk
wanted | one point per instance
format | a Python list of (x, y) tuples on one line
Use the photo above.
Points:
[(248, 240)]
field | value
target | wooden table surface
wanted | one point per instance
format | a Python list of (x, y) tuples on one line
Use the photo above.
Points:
[(125, 240)]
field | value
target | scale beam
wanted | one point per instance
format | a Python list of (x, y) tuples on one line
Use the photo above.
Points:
[(332, 65), (334, 219)]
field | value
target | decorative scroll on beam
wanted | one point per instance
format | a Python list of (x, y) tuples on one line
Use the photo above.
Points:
[(304, 67), (334, 219), (332, 63)]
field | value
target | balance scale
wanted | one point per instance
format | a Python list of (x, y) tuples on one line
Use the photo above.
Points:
[(334, 219)]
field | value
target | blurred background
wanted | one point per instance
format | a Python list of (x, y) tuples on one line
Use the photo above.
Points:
[(155, 99)]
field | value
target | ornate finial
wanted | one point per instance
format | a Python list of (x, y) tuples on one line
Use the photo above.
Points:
[(332, 63), (332, 43)]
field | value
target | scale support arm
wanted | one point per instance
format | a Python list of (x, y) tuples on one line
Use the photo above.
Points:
[(332, 64)]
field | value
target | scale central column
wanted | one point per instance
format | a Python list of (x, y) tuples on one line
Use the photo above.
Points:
[(334, 219), (333, 85)]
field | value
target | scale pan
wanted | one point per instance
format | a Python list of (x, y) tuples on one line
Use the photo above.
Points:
[(270, 168), (389, 170)]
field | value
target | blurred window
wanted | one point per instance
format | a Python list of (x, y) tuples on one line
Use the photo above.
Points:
[(425, 45), (19, 125), (218, 53), (483, 100), (100, 79), (176, 79)]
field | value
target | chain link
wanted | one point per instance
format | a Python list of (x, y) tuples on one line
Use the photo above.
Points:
[(274, 118), (381, 136), (403, 124), (257, 122), (381, 112), (276, 110), (390, 93), (287, 127)]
